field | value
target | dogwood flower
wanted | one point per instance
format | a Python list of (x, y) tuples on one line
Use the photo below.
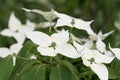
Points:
[(90, 42), (94, 59), (116, 51), (65, 20), (49, 16), (16, 29), (100, 35), (13, 50), (51, 45)]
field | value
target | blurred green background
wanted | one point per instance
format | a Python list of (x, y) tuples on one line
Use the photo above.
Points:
[(103, 12)]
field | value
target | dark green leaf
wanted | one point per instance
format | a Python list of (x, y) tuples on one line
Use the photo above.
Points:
[(6, 66), (25, 53), (36, 72), (60, 72), (70, 67), (113, 74)]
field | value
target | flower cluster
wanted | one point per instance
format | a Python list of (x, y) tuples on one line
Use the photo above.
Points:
[(92, 50)]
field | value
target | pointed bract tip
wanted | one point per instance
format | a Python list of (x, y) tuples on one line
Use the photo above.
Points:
[(91, 21), (109, 46), (28, 10)]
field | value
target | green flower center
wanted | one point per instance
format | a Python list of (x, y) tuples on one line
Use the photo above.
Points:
[(92, 60), (53, 44), (73, 22)]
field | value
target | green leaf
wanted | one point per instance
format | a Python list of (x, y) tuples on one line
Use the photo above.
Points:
[(25, 53), (61, 72), (28, 65), (69, 66), (6, 66), (36, 72), (113, 74)]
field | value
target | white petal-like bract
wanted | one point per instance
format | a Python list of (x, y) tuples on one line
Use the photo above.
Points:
[(101, 71), (39, 38), (47, 51), (13, 23), (60, 37), (4, 52), (7, 32), (20, 37), (15, 48), (100, 45), (68, 51), (116, 51)]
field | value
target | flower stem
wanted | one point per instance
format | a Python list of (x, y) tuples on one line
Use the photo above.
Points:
[(14, 55), (22, 58), (50, 28)]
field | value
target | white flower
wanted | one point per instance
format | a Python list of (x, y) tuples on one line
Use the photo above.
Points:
[(14, 49), (65, 20), (89, 43), (16, 29), (116, 51), (95, 60), (100, 35), (51, 45), (49, 16)]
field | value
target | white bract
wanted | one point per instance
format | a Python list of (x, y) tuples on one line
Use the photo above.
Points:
[(78, 47), (101, 47), (94, 59), (49, 16), (100, 35), (116, 51), (51, 45), (65, 20), (16, 29), (87, 44), (14, 49)]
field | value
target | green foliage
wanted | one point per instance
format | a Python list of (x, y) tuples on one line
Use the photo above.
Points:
[(6, 67), (60, 73), (64, 71), (20, 61)]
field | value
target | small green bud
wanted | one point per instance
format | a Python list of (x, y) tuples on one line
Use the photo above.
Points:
[(73, 22)]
